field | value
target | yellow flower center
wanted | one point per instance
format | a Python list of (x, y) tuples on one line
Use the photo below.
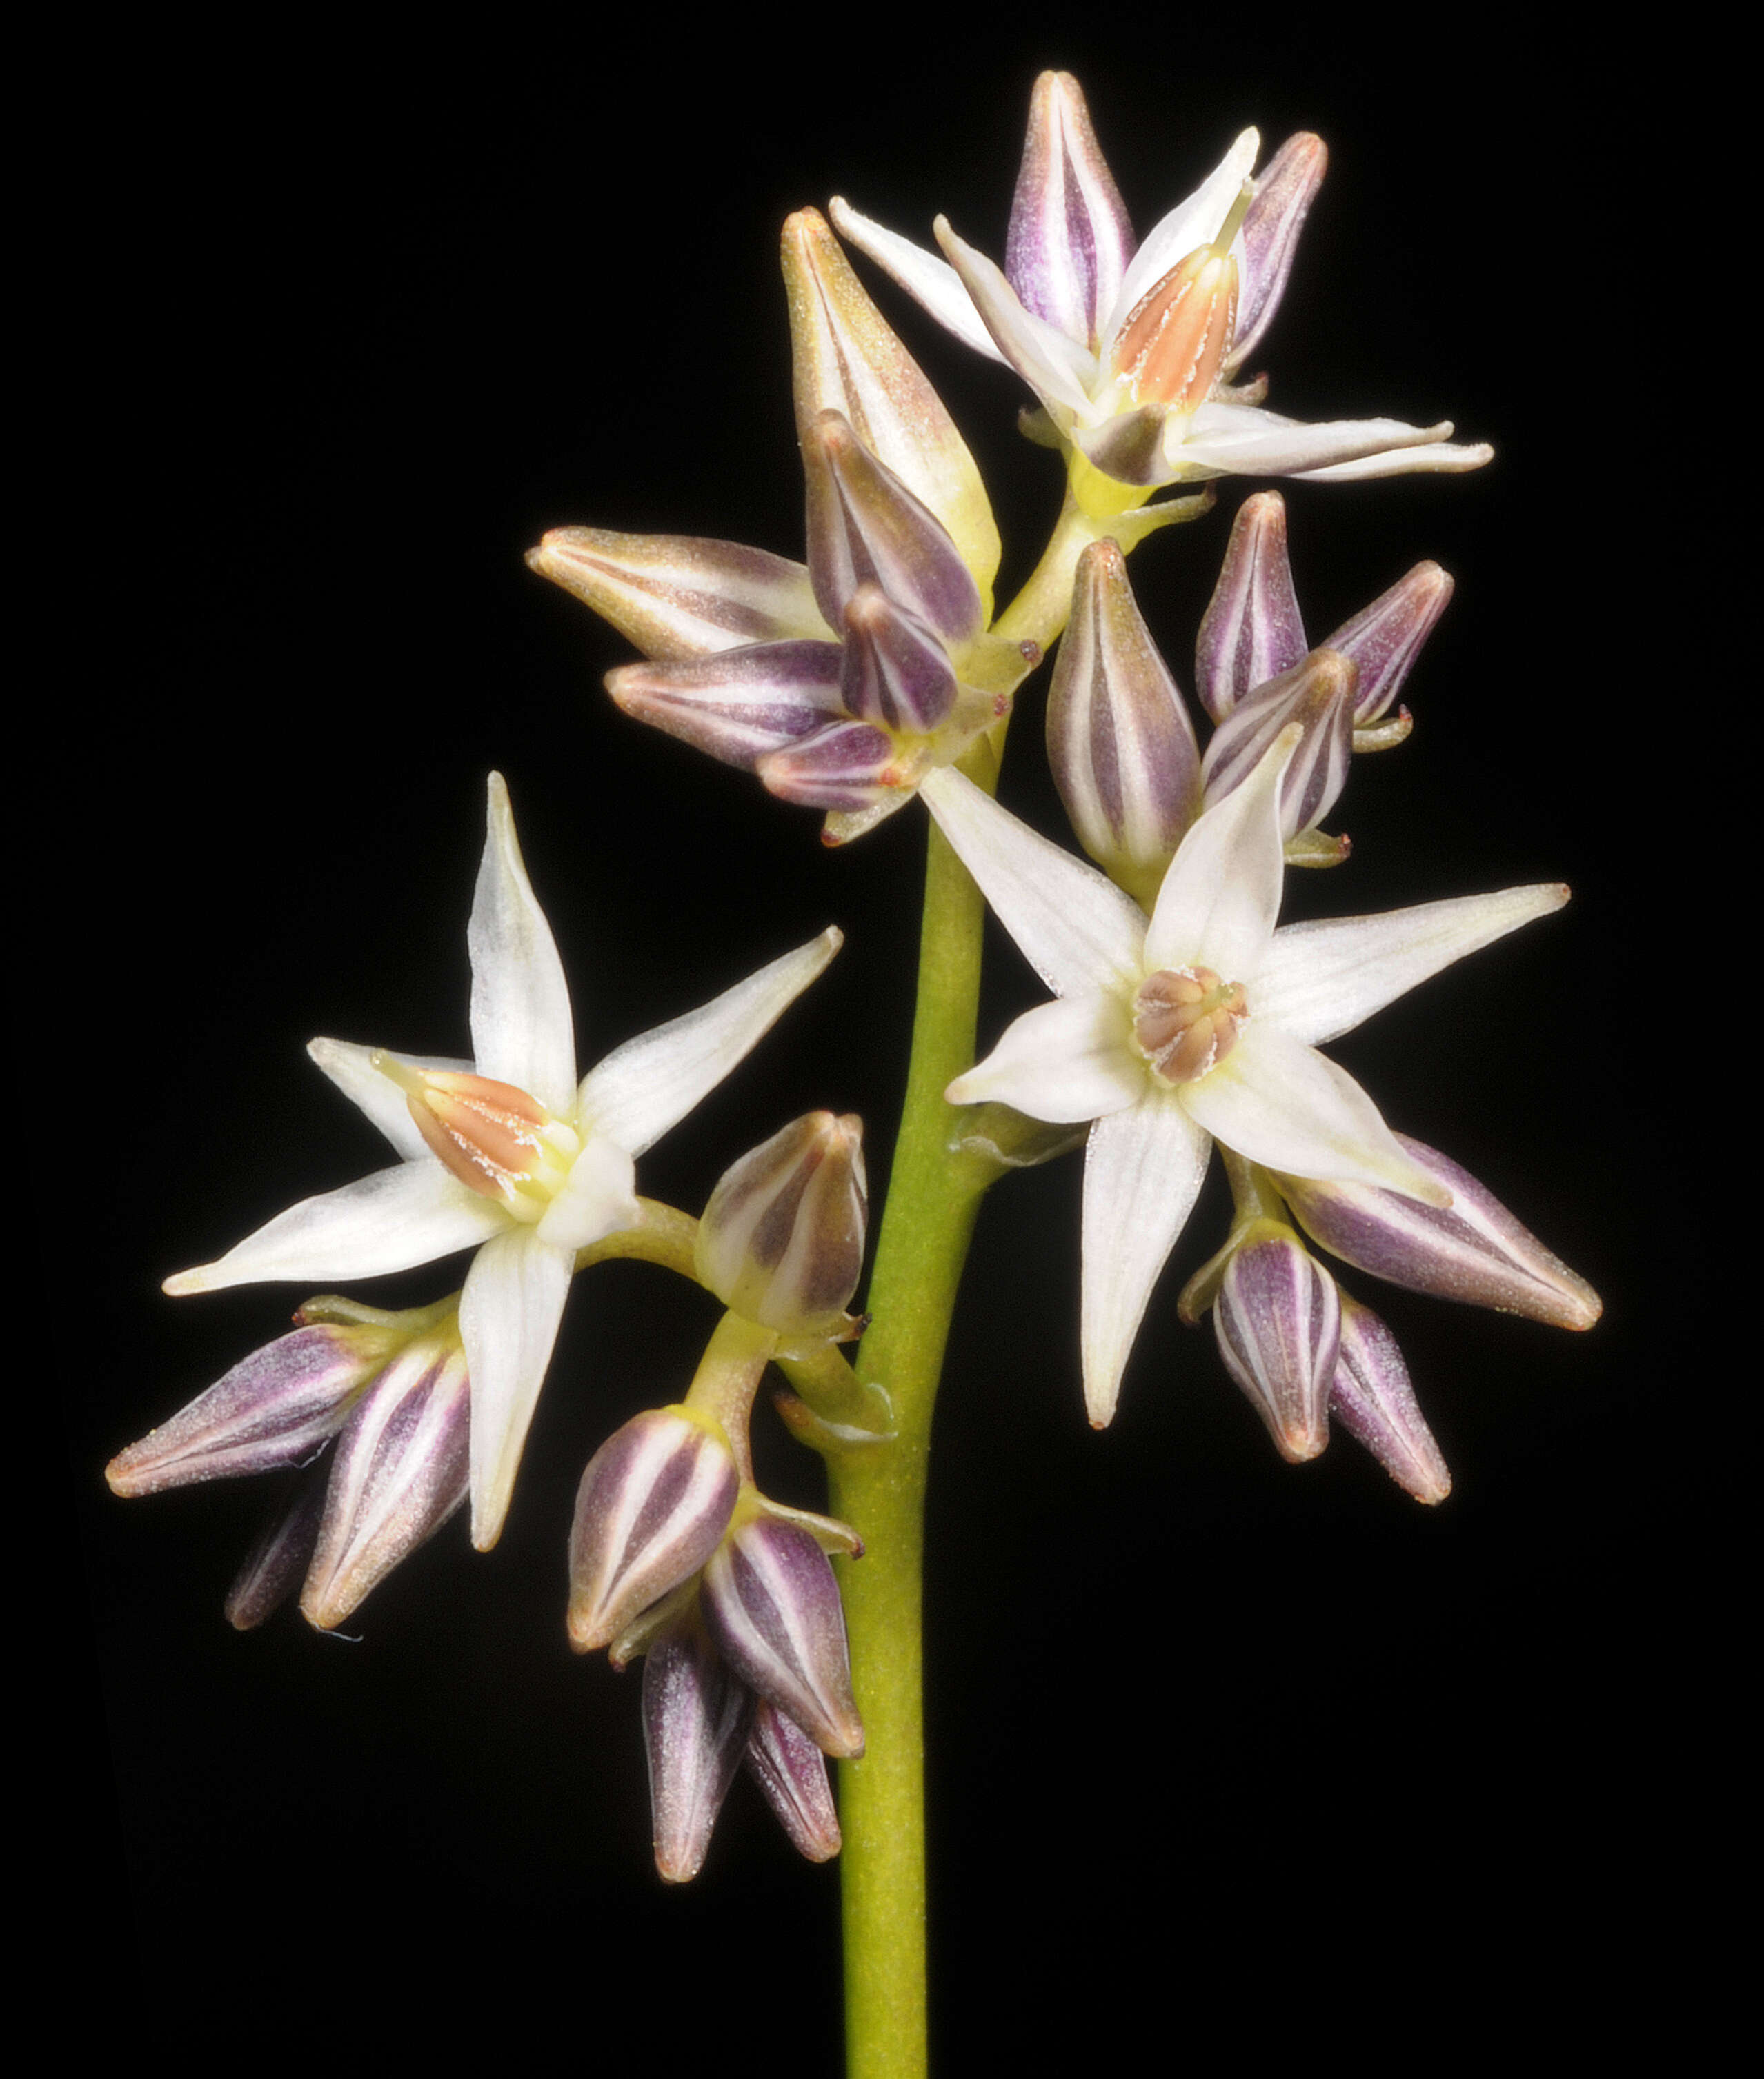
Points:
[(493, 1137)]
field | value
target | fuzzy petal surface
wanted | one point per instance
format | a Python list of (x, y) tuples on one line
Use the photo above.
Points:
[(650, 1083), (1318, 981), (1220, 898), (1194, 222), (351, 1068), (1142, 1172), (932, 283), (521, 1028), (1077, 929), (508, 1317), (1060, 373), (1063, 1061)]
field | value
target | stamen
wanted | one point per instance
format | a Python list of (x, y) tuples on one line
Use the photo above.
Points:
[(1177, 335), (493, 1137), (1186, 1020)]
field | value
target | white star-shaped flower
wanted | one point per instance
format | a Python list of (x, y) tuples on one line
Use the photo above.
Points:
[(1199, 1023), (507, 1153)]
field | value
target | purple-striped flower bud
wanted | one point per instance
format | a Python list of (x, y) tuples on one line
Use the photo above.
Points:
[(1278, 1321), (275, 1408), (782, 1242), (1318, 695), (399, 1468), (1119, 739), (1284, 190), (1472, 1249), (792, 1772), (1252, 629), (1385, 638), (273, 1568), (1070, 239), (1374, 1401), (696, 1717), (773, 1605), (896, 672), (740, 705), (654, 1500)]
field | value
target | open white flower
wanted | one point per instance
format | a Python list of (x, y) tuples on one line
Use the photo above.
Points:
[(507, 1153), (1201, 1023)]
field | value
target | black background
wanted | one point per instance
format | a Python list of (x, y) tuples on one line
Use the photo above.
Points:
[(1218, 1744)]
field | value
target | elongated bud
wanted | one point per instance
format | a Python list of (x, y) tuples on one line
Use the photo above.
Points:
[(654, 1500), (782, 1242), (1278, 1321), (864, 526), (1070, 239), (696, 1717), (1472, 1249), (275, 1564), (792, 1772), (1252, 629), (844, 767), (399, 1468), (1385, 638), (772, 1606), (895, 670), (1318, 695), (1375, 1404), (274, 1408), (740, 705), (1119, 739), (1284, 190)]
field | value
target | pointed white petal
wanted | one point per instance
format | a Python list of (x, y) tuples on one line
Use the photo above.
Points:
[(1282, 1104), (1077, 929), (351, 1069), (1143, 1170), (1443, 457), (521, 1030), (508, 1317), (599, 1197), (1220, 897), (409, 1214), (926, 279), (1319, 981), (1057, 369), (1062, 1061), (1243, 439), (653, 1081), (1193, 222)]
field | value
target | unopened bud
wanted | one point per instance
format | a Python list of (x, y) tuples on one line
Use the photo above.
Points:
[(696, 1717), (1472, 1249), (1278, 1321), (654, 1500), (772, 1606), (1284, 190), (782, 1242), (1119, 739), (1385, 638), (1375, 1404), (273, 1568), (792, 1772), (1252, 629), (1318, 695)]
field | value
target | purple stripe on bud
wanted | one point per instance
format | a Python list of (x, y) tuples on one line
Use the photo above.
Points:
[(773, 1604), (781, 1241), (1284, 190), (1119, 739), (1070, 239), (1252, 629), (696, 1717), (845, 765), (895, 670), (1278, 1321), (273, 1568), (399, 1469), (864, 526), (274, 1408), (1385, 638), (739, 705), (1318, 695), (1375, 1404), (654, 1500), (792, 1772), (1472, 1250)]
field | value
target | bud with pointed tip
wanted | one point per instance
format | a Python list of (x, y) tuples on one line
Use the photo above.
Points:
[(1375, 1404), (1284, 190), (654, 1501), (1384, 639), (399, 1468), (1278, 1321), (1119, 739), (1252, 629), (792, 1772), (782, 1242), (1318, 695), (695, 1719), (1070, 239), (772, 1606), (1471, 1249)]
